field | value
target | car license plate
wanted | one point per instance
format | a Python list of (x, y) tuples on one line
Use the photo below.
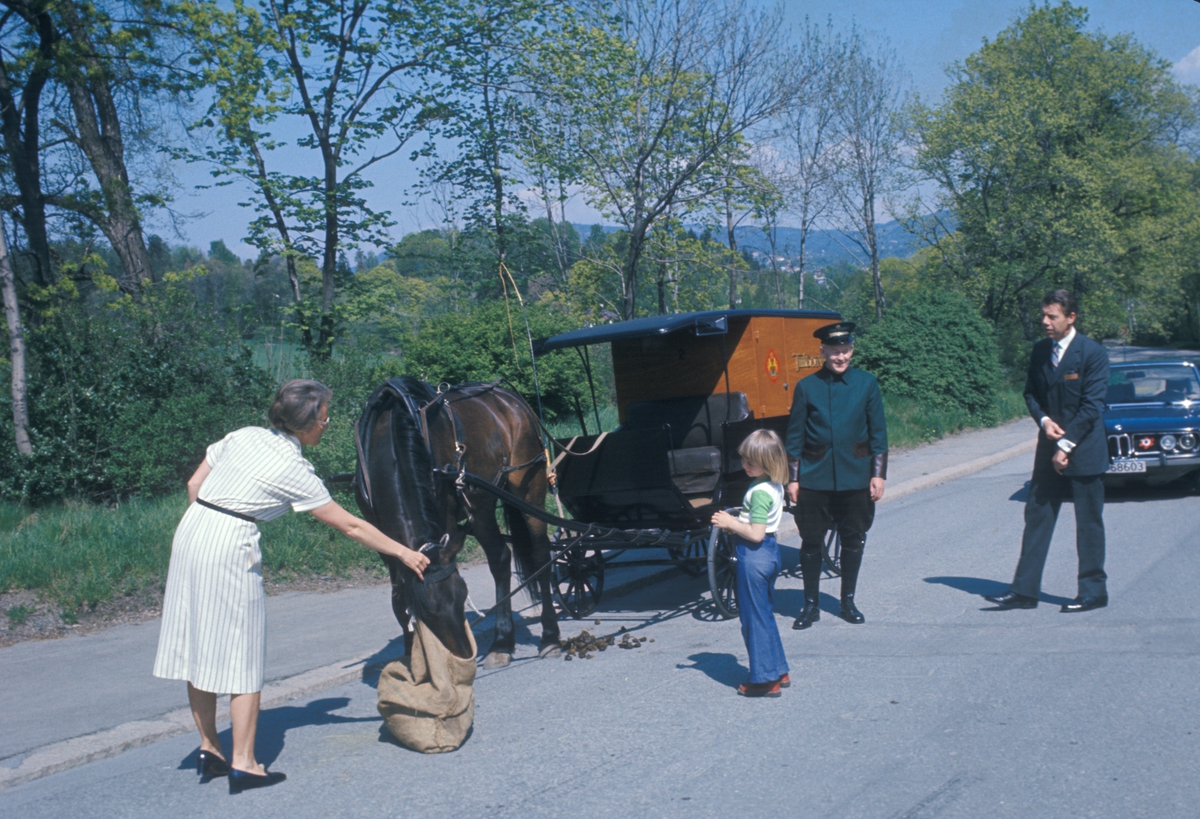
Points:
[(1121, 467)]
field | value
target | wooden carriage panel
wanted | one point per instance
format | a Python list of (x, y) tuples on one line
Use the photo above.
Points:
[(766, 356), (803, 351), (676, 365)]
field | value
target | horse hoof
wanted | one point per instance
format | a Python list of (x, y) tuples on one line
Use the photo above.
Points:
[(497, 660), (551, 650)]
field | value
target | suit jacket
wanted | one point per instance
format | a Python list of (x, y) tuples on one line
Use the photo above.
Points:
[(1073, 396), (837, 430)]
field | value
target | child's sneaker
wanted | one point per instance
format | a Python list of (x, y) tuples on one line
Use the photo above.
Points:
[(764, 689)]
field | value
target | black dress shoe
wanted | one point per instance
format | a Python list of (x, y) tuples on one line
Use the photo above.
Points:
[(850, 613), (1085, 604), (209, 765), (810, 615), (1012, 600), (242, 780)]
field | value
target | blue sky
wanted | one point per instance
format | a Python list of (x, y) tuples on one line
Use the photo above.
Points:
[(927, 35)]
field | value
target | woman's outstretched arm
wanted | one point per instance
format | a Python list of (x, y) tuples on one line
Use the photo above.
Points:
[(360, 531)]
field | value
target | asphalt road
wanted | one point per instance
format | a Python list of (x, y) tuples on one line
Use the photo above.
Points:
[(935, 707)]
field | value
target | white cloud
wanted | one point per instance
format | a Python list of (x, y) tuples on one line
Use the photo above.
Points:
[(1188, 69)]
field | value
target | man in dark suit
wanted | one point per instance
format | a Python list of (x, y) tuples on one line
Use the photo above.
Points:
[(1065, 390)]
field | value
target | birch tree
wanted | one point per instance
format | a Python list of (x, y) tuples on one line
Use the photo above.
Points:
[(652, 93), (868, 133)]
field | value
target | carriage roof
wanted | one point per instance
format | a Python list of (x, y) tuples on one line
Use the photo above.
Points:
[(711, 322)]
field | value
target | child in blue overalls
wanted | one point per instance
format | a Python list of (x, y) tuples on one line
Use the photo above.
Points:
[(764, 459)]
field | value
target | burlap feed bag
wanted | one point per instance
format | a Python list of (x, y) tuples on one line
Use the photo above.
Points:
[(427, 700)]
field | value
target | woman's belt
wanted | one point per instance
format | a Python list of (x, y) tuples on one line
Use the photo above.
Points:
[(223, 510)]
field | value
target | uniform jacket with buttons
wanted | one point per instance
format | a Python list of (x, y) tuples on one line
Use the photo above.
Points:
[(1073, 396), (837, 430)]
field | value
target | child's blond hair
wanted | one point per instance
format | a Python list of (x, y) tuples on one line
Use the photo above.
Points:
[(763, 448)]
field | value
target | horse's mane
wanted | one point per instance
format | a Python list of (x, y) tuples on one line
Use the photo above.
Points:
[(414, 462)]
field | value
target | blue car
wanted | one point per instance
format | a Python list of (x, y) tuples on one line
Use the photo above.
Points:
[(1152, 417)]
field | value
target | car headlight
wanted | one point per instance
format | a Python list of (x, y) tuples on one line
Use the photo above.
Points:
[(1167, 443), (1187, 441)]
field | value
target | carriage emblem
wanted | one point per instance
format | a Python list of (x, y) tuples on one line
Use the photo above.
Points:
[(772, 366)]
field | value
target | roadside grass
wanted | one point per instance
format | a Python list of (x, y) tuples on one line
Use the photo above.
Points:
[(79, 556), (911, 423)]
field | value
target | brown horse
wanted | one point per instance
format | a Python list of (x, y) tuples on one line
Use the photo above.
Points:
[(407, 432)]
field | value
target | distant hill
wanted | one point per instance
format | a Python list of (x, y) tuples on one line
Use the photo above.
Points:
[(823, 248)]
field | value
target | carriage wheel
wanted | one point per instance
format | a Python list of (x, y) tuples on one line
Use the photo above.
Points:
[(691, 557), (722, 573), (578, 578), (833, 553)]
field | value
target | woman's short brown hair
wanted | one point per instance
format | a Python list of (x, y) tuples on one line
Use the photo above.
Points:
[(297, 405), (764, 448)]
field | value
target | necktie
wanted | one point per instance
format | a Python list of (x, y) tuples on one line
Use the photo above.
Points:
[(1054, 356)]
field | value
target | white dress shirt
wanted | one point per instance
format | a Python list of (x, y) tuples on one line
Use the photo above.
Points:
[(1061, 348)]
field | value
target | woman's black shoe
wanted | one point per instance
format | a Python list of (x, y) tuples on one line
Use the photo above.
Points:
[(241, 780), (209, 765)]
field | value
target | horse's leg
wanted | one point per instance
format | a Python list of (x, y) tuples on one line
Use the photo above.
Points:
[(499, 557), (399, 600), (529, 533)]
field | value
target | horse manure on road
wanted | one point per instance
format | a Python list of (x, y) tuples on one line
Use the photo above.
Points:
[(585, 645)]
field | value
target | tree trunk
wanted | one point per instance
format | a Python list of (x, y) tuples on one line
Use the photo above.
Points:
[(733, 273), (873, 247), (325, 329), (22, 143), (16, 347), (98, 135), (637, 239), (800, 288)]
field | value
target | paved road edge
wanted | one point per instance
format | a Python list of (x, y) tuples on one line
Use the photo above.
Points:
[(61, 756), (957, 471)]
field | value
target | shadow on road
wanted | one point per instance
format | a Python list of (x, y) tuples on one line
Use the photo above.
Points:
[(394, 650), (722, 668), (274, 723), (982, 588)]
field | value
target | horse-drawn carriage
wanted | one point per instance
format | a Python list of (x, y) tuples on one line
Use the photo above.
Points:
[(689, 389)]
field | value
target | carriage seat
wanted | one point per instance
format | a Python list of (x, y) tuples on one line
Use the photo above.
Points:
[(695, 427)]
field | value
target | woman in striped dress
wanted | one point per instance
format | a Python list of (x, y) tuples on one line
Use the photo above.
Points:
[(214, 613)]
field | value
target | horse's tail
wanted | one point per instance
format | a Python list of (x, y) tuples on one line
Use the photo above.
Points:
[(522, 547)]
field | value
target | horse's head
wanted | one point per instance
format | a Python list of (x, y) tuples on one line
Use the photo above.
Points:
[(397, 492)]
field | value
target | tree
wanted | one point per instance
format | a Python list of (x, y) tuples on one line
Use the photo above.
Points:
[(745, 191), (26, 67), (1060, 161), (103, 72), (867, 133), (806, 164), (361, 79), (90, 63), (651, 93), (483, 113)]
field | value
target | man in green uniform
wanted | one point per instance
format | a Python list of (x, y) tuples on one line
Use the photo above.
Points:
[(837, 447)]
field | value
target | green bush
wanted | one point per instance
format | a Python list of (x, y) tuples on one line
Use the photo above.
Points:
[(477, 346), (125, 397), (935, 348)]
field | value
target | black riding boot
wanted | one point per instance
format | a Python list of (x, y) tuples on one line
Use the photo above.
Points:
[(851, 561), (810, 570)]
